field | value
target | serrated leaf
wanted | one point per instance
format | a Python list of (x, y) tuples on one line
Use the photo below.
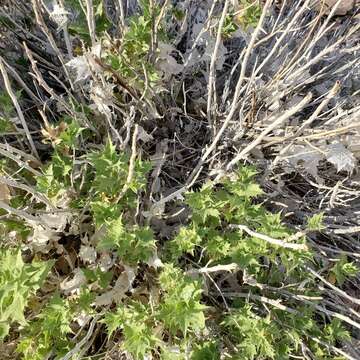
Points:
[(343, 270), (18, 281), (316, 222), (132, 244)]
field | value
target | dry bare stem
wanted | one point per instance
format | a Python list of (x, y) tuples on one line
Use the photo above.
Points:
[(335, 89), (91, 20), (334, 349), (17, 107), (195, 173), (83, 341), (270, 240), (131, 164), (22, 164), (263, 299), (41, 22), (42, 82), (22, 214), (212, 75), (207, 270), (120, 10), (204, 29), (276, 122), (22, 83), (29, 189), (335, 288)]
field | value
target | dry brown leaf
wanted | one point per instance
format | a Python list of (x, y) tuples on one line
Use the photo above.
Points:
[(41, 238), (154, 261), (122, 285), (52, 133), (87, 254), (73, 285), (5, 195)]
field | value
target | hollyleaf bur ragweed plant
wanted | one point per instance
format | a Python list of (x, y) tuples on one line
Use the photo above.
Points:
[(180, 309), (111, 171), (215, 273), (133, 58), (175, 317), (77, 22), (132, 244), (18, 283), (213, 233), (177, 313), (136, 322), (249, 14), (48, 333)]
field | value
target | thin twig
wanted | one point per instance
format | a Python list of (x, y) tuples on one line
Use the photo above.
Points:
[(196, 171), (18, 108), (22, 83), (42, 82), (207, 270), (204, 29), (277, 122), (120, 9), (333, 287), (66, 33), (21, 213), (212, 77), (335, 89), (40, 20), (334, 349), (83, 341), (7, 153), (236, 96), (91, 20), (348, 230), (131, 164), (270, 240), (157, 23), (36, 194), (263, 299)]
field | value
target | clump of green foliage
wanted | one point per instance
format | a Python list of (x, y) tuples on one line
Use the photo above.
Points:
[(250, 12), (212, 233), (78, 26), (135, 58), (247, 16), (132, 244), (18, 283), (175, 318), (131, 60), (133, 55), (48, 332), (229, 27), (343, 269), (178, 313)]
